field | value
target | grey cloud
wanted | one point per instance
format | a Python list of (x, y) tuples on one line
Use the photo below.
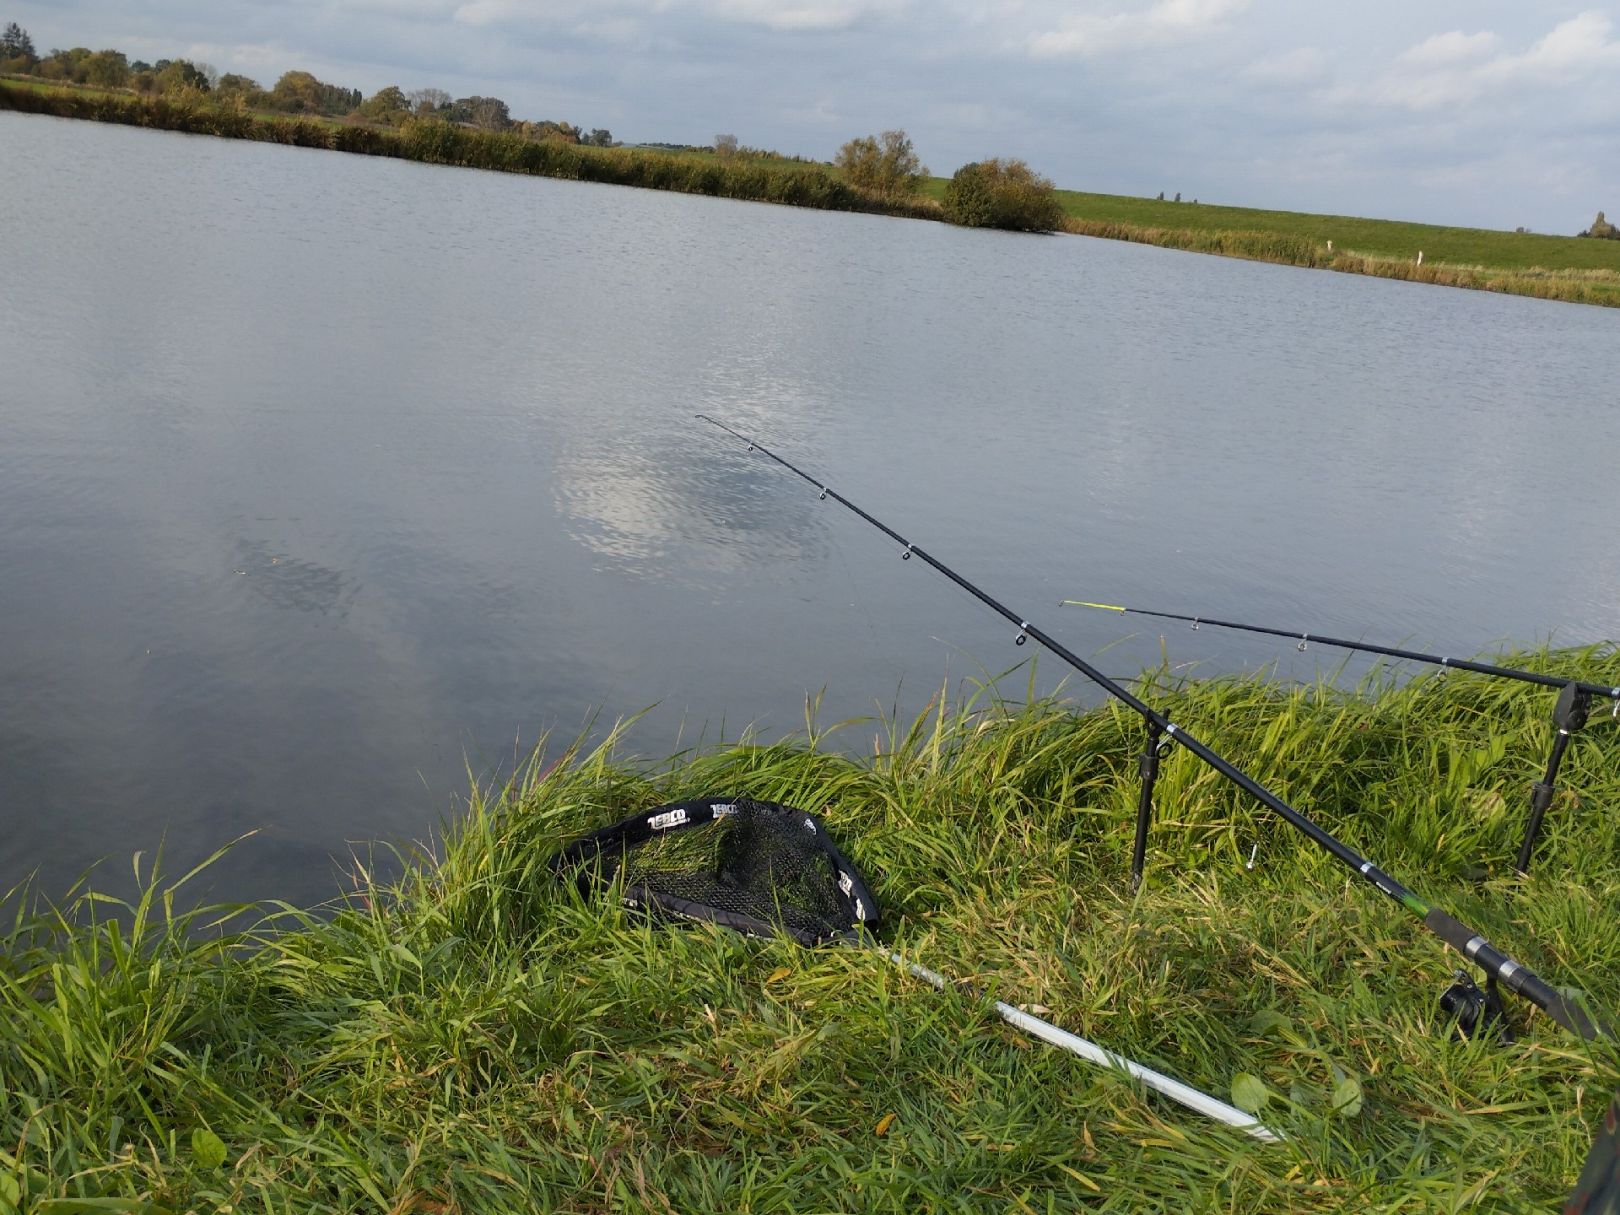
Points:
[(1303, 65)]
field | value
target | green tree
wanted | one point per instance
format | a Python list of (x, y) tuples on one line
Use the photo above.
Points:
[(300, 93), (296, 92), (547, 130), (16, 44), (230, 83), (387, 105), (1000, 193), (178, 75), (65, 65), (601, 137), (490, 113), (107, 68), (885, 164)]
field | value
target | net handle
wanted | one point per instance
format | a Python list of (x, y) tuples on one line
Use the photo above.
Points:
[(1184, 1094), (638, 829)]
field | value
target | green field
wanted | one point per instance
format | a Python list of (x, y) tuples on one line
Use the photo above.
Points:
[(1376, 237), (477, 1037), (1387, 238)]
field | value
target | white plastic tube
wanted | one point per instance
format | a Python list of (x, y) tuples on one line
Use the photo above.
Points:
[(1191, 1097)]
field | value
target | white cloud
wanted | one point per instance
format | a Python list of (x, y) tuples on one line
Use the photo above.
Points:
[(802, 15), (557, 14), (1169, 21), (1579, 43), (1456, 69), (1449, 49), (794, 16)]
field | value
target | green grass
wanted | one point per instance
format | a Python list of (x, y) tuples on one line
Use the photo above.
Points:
[(1370, 237), (1376, 237), (475, 1038)]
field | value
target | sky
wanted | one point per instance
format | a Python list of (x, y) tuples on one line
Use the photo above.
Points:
[(1485, 113)]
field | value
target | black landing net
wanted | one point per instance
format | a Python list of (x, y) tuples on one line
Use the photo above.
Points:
[(755, 867)]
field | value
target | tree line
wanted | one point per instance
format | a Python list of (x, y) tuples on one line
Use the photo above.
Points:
[(874, 172), (296, 92)]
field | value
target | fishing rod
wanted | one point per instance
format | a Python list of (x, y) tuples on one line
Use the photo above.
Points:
[(1569, 713), (1498, 966), (1339, 643)]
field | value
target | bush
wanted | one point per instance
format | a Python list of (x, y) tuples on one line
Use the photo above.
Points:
[(885, 164), (1602, 229), (1002, 194)]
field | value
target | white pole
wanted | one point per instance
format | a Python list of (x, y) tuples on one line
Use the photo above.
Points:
[(1191, 1097)]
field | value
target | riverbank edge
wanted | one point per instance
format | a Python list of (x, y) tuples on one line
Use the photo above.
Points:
[(474, 1036), (1597, 287), (786, 183), (441, 143), (763, 182)]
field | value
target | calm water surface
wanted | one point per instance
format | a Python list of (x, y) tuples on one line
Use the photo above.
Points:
[(324, 479)]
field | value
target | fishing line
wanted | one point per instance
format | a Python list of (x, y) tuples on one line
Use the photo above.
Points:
[(1472, 945)]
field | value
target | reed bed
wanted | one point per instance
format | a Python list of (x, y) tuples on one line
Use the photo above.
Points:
[(434, 141), (474, 1037)]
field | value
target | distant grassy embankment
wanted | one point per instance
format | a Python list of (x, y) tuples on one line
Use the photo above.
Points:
[(435, 141), (475, 1037), (1549, 267), (1373, 237), (1566, 268)]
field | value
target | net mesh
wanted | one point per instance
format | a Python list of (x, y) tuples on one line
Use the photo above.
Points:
[(759, 862)]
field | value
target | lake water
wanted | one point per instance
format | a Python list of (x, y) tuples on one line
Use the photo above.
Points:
[(324, 479)]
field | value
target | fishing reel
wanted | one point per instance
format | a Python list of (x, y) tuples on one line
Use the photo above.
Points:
[(1474, 1009)]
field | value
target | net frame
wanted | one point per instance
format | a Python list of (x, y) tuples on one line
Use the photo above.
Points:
[(777, 871)]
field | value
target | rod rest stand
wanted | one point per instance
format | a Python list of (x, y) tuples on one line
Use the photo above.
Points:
[(1148, 765), (1569, 715)]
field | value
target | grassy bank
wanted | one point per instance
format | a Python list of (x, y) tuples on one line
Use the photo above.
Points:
[(1370, 237), (433, 141), (1599, 285), (1517, 263), (1547, 267), (473, 1038)]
